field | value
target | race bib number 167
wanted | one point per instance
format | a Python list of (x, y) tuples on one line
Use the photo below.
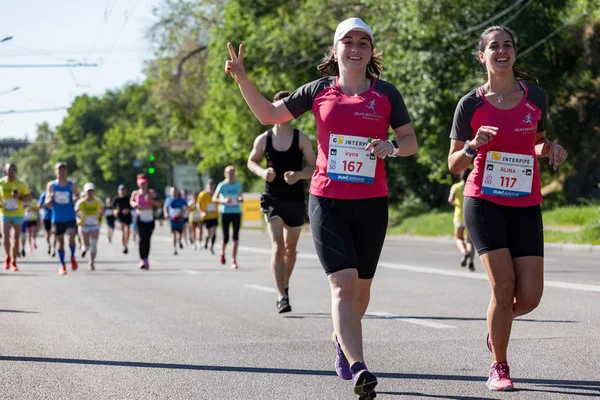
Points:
[(348, 161)]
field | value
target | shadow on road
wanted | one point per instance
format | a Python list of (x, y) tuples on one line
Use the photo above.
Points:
[(413, 395), (328, 316), (553, 383), (19, 311)]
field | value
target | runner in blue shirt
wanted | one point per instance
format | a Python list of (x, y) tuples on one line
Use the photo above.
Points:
[(175, 208), (61, 194), (229, 195)]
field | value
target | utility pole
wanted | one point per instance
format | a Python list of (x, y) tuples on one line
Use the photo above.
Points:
[(168, 157)]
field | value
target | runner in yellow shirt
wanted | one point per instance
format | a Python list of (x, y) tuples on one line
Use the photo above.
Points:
[(195, 222), (13, 192), (209, 213), (463, 241), (89, 209)]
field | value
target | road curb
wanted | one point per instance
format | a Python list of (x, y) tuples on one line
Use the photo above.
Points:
[(450, 239)]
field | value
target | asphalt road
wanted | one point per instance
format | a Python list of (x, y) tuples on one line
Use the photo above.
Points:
[(192, 329)]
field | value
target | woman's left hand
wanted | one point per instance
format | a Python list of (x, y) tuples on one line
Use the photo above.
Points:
[(557, 155), (381, 148)]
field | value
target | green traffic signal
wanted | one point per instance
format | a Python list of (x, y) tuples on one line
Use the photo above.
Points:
[(151, 170), (151, 158)]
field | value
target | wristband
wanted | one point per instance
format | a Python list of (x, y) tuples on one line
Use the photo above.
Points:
[(467, 150)]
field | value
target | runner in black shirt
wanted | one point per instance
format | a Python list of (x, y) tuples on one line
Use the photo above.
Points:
[(123, 214), (283, 202)]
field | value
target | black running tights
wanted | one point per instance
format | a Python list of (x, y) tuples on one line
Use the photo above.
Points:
[(145, 230)]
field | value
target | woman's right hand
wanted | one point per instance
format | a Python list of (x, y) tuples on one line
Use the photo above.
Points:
[(484, 135), (235, 66)]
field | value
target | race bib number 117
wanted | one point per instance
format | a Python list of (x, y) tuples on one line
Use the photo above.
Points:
[(507, 174)]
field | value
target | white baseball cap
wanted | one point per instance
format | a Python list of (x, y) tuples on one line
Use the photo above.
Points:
[(352, 24), (88, 186)]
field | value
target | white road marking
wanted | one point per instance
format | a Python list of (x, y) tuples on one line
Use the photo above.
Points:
[(573, 286), (442, 272), (191, 272), (415, 321), (261, 288), (435, 271)]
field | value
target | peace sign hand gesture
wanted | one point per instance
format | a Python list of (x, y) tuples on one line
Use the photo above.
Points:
[(235, 66)]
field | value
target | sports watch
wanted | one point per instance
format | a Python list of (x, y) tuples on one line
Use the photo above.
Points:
[(395, 148), (467, 150)]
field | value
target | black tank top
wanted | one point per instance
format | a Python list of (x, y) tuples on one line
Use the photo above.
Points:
[(281, 162)]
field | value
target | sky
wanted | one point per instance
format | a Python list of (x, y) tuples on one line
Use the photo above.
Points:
[(110, 33)]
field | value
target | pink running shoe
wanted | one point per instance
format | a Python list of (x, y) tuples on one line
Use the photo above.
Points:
[(234, 265), (499, 379)]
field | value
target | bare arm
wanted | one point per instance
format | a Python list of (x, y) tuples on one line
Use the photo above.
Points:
[(216, 198), (451, 198), (545, 148), (256, 155), (267, 113), (309, 157), (49, 194), (26, 197), (75, 191), (457, 159), (132, 202)]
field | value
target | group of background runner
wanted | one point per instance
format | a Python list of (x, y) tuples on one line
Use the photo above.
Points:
[(65, 211)]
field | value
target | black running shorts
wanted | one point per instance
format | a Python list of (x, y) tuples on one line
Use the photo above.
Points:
[(348, 233), (492, 226), (209, 223), (60, 228), (29, 224), (290, 212), (125, 219), (48, 225)]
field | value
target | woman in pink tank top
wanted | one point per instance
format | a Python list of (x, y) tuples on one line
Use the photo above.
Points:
[(143, 201)]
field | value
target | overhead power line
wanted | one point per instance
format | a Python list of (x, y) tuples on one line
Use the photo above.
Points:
[(33, 110), (495, 17), (47, 65), (506, 21), (549, 36)]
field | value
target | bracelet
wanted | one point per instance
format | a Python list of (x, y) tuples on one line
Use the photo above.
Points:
[(546, 149)]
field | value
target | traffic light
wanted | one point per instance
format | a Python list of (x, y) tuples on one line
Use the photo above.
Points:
[(151, 169)]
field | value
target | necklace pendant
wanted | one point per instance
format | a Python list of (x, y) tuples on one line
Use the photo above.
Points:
[(500, 98)]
